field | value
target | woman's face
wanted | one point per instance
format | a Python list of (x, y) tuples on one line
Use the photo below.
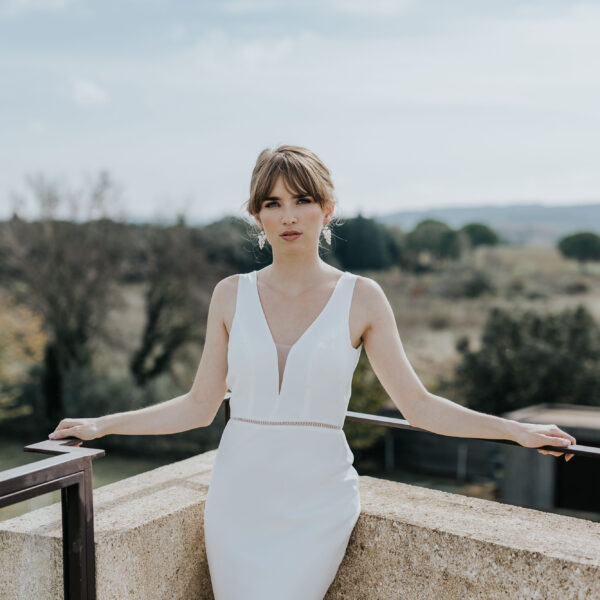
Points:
[(285, 210)]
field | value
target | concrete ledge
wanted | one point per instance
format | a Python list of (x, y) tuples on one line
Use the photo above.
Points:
[(410, 543), (416, 543)]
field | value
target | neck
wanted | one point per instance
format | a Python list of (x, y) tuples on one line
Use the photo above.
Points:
[(296, 272)]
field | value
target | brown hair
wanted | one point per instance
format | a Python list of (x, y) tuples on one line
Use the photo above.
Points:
[(302, 170)]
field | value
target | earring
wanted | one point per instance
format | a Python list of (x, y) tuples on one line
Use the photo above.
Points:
[(262, 236), (327, 234)]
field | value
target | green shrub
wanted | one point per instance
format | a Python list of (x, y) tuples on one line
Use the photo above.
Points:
[(583, 246), (530, 359)]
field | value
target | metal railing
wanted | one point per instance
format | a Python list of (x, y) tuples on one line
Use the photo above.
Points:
[(71, 473)]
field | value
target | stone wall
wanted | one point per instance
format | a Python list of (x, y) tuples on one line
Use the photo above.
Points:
[(409, 542)]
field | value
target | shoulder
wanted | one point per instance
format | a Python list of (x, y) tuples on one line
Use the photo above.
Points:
[(226, 286), (367, 290), (223, 299), (369, 300)]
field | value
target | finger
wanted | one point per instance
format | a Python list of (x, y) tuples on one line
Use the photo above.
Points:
[(63, 427), (568, 457), (567, 435), (558, 441), (63, 433)]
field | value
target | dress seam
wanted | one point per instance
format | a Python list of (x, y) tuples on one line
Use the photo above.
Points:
[(271, 422)]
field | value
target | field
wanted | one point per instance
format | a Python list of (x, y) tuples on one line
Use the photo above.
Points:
[(431, 309), (430, 320)]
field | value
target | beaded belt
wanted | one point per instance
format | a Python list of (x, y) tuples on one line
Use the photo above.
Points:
[(316, 423)]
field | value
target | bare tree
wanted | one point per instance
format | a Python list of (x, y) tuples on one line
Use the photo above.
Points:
[(179, 280), (65, 270)]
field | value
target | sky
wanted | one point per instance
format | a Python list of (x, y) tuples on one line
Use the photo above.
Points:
[(411, 104)]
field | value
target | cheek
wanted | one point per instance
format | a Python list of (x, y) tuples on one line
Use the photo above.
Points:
[(316, 216), (267, 218)]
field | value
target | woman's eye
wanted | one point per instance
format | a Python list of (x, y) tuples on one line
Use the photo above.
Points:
[(273, 202)]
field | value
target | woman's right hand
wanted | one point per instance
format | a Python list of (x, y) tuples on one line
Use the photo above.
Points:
[(84, 429)]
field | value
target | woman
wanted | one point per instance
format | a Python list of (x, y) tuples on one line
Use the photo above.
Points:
[(284, 497)]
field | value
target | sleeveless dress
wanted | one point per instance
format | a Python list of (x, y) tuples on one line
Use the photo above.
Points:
[(283, 496)]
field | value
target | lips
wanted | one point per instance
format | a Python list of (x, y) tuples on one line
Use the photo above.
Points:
[(290, 233)]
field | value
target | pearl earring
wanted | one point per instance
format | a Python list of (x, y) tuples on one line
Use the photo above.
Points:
[(327, 234), (262, 236)]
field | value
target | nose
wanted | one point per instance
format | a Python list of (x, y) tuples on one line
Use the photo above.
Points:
[(288, 217)]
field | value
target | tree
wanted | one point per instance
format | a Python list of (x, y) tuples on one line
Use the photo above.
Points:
[(229, 241), (22, 344), (66, 272), (480, 235), (433, 240), (176, 305), (362, 243), (531, 359), (583, 247)]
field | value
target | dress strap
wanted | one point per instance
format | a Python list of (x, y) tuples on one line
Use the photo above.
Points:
[(344, 299)]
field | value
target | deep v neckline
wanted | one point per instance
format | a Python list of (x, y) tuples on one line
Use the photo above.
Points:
[(279, 389)]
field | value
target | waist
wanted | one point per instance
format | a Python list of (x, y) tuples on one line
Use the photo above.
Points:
[(292, 422)]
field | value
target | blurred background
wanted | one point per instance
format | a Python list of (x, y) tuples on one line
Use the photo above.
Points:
[(462, 140)]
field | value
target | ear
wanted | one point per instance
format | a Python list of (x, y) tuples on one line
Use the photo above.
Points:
[(258, 221), (328, 214)]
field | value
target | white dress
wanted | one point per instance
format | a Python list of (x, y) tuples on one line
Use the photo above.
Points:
[(283, 496)]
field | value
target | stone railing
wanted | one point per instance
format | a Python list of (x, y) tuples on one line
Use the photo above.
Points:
[(409, 542)]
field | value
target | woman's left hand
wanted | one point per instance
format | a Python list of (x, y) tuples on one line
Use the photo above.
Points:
[(532, 435)]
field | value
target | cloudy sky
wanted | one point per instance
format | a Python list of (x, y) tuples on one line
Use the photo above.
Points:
[(411, 104)]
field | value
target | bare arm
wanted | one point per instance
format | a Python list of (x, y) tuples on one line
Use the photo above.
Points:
[(195, 408), (420, 407)]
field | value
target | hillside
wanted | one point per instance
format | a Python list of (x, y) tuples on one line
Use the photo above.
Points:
[(529, 224)]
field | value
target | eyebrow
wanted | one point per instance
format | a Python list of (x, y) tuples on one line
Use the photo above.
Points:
[(277, 197)]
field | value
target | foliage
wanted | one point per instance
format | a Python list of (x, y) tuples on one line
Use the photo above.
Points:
[(66, 273), (480, 235), (529, 359), (368, 396), (231, 241), (362, 243), (433, 241), (430, 236), (583, 246), (22, 342)]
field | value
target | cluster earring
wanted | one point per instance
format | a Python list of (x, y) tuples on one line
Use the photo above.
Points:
[(327, 234), (262, 237)]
